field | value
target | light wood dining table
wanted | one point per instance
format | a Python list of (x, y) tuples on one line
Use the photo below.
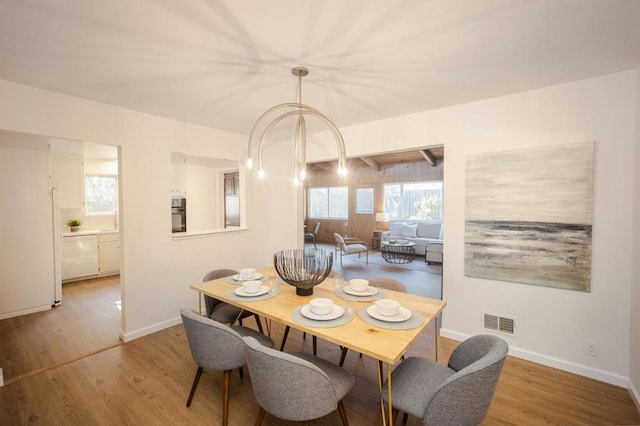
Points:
[(385, 345)]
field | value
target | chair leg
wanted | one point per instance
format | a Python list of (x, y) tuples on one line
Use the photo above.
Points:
[(405, 417), (367, 257), (314, 241), (259, 323), (225, 397), (260, 417), (241, 371), (195, 384), (343, 413), (284, 338), (343, 356), (315, 346)]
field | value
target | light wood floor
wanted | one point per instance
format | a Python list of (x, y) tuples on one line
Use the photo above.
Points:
[(146, 382)]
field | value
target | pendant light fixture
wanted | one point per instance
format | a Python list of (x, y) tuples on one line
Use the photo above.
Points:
[(276, 114)]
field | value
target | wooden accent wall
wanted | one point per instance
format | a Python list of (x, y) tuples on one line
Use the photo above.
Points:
[(362, 226)]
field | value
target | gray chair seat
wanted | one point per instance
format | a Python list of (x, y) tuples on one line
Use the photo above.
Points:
[(413, 383), (295, 387), (458, 394), (227, 314), (216, 346)]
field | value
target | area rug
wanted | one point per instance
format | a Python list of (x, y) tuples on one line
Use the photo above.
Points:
[(418, 263)]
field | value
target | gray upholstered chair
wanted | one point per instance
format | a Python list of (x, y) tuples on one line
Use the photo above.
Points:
[(312, 235), (295, 387), (459, 394), (347, 248), (387, 284), (221, 311), (216, 346)]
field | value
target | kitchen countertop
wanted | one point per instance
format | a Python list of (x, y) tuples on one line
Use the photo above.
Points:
[(90, 232)]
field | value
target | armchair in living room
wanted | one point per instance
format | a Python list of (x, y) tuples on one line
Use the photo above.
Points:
[(346, 247)]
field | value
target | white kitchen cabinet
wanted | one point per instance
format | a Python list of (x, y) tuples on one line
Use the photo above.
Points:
[(108, 253), (178, 174), (67, 172)]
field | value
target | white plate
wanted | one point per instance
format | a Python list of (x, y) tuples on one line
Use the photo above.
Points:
[(370, 291), (336, 312), (264, 289), (256, 276), (402, 315)]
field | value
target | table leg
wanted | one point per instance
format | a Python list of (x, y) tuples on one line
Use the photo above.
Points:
[(384, 419), (437, 336), (389, 394)]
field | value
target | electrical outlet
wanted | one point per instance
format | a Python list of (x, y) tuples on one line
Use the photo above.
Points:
[(591, 347)]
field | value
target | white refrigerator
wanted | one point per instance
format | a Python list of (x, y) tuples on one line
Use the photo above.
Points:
[(30, 228)]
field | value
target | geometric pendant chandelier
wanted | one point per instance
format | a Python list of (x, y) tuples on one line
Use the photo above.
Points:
[(276, 114)]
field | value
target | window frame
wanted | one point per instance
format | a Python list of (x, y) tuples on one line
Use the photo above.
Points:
[(404, 216), (310, 199), (86, 198)]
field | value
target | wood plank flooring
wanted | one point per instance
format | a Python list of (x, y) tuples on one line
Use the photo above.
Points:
[(90, 378)]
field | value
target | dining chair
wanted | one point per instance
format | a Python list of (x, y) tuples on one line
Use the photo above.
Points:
[(295, 387), (221, 311), (347, 248), (458, 394), (381, 282), (313, 234), (216, 346)]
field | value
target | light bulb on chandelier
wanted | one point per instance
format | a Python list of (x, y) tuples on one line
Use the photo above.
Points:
[(299, 110)]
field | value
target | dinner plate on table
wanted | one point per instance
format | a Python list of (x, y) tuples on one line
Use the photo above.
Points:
[(336, 312), (256, 276), (402, 315), (240, 291), (370, 291)]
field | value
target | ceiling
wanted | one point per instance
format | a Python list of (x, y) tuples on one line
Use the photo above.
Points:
[(223, 63)]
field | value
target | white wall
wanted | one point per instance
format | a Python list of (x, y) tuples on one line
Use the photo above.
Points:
[(156, 270), (552, 324), (635, 254)]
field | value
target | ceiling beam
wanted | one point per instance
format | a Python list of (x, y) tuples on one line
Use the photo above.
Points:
[(428, 156), (371, 163)]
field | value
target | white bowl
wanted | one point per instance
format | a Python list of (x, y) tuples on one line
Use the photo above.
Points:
[(321, 306), (388, 307), (247, 273), (358, 284), (251, 286)]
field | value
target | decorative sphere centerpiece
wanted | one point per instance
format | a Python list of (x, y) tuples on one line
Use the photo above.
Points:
[(303, 268)]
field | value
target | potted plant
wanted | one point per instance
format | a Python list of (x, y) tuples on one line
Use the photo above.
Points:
[(74, 224)]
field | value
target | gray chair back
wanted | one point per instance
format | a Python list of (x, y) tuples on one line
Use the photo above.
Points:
[(214, 346), (388, 284), (288, 387), (464, 398), (210, 302)]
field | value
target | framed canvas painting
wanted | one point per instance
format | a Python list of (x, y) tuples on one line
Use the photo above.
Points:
[(528, 216)]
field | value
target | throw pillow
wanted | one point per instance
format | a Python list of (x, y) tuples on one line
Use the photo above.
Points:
[(409, 230), (395, 230)]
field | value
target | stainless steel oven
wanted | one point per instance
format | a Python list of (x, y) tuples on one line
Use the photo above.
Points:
[(178, 214)]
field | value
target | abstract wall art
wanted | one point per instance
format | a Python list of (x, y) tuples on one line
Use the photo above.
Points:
[(528, 215)]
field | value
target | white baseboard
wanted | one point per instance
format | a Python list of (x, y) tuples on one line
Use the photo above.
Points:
[(25, 311), (571, 367), (127, 337), (634, 394)]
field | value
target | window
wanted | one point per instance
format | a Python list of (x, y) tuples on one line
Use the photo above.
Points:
[(101, 194), (329, 202), (364, 200), (413, 201)]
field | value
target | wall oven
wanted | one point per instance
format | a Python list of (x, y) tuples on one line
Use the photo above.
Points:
[(178, 214)]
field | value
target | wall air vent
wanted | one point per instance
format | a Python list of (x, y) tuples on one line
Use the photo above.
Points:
[(499, 324)]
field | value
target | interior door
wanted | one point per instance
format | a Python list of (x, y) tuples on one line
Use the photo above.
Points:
[(362, 212)]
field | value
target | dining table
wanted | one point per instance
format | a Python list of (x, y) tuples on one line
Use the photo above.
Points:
[(355, 329)]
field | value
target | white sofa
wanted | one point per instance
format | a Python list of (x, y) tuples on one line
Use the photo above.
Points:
[(427, 237)]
